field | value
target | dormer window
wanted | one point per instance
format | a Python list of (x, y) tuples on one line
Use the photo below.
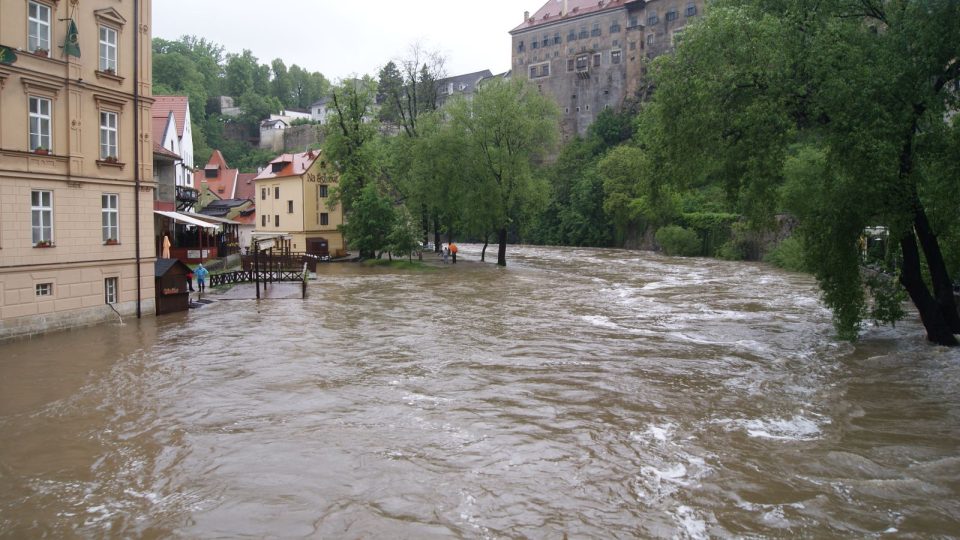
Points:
[(210, 173), (277, 167)]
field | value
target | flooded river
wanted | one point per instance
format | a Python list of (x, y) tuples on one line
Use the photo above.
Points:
[(576, 393)]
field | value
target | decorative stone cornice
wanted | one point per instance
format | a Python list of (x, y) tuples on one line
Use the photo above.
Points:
[(110, 16), (41, 87)]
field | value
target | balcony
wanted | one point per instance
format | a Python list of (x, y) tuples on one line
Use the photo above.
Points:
[(186, 197)]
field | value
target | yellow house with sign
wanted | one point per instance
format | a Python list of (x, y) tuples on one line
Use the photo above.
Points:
[(293, 193)]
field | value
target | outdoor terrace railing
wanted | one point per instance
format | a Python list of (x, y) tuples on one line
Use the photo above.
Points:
[(264, 276), (247, 276), (285, 261)]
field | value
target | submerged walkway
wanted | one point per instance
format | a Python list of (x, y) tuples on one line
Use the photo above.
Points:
[(248, 291)]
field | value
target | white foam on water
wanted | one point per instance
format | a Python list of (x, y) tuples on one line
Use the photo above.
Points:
[(600, 320), (796, 428), (413, 399), (691, 525), (674, 473), (657, 432)]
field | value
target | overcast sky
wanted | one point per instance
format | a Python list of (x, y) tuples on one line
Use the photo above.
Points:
[(345, 38)]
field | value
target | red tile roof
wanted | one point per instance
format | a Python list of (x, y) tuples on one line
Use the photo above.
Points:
[(551, 11), (157, 149), (221, 186), (217, 159), (246, 187), (159, 126), (164, 105), (294, 165), (246, 220)]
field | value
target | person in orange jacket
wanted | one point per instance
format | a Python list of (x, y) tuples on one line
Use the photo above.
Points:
[(453, 252)]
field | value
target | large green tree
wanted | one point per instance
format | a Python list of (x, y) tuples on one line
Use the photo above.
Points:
[(840, 110), (407, 88), (351, 142), (372, 220), (307, 87), (507, 128)]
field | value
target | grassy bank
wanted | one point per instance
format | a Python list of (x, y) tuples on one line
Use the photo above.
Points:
[(399, 264)]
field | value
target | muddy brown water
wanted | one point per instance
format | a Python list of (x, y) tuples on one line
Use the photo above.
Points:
[(579, 392)]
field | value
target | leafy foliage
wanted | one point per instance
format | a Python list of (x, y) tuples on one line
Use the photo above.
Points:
[(371, 222), (506, 127), (833, 110), (789, 255), (202, 71), (676, 240)]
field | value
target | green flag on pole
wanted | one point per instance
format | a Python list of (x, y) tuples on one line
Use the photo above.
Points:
[(72, 45)]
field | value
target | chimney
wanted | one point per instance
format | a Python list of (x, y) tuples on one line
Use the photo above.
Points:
[(526, 16), (564, 12)]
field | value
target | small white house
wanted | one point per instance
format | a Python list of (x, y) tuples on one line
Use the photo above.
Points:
[(173, 131)]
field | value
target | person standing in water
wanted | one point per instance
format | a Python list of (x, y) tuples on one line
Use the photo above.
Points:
[(201, 274)]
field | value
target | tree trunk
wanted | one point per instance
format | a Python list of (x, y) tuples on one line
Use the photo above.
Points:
[(938, 312), (939, 277), (425, 223), (502, 252), (486, 242), (938, 329), (436, 235)]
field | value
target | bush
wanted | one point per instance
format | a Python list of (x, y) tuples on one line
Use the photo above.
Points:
[(675, 240), (739, 245), (788, 255), (733, 250)]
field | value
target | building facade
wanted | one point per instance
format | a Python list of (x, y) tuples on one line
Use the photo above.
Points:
[(76, 160), (593, 54), (460, 85), (173, 131), (293, 193)]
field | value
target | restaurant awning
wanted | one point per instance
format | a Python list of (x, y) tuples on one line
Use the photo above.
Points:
[(212, 219), (177, 216)]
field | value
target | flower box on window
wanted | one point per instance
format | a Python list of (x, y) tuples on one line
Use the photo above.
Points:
[(111, 159), (41, 52), (110, 71), (41, 151), (44, 244), (111, 242)]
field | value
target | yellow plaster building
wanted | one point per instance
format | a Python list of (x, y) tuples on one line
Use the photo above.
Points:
[(76, 178), (293, 192)]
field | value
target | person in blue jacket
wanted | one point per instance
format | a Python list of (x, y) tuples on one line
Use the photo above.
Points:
[(201, 274)]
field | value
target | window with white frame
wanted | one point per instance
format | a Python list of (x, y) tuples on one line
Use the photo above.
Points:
[(38, 27), (583, 62), (108, 135), (108, 49), (44, 289), (111, 290), (110, 216), (41, 216), (40, 122)]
